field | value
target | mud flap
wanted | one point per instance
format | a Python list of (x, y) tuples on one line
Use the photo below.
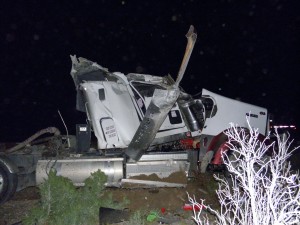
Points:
[(206, 160)]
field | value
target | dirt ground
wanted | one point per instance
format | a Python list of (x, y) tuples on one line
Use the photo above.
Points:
[(168, 202), (14, 210)]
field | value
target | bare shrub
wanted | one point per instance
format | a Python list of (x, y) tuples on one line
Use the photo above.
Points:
[(261, 189)]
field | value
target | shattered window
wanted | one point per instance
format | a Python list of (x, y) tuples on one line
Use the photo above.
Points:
[(142, 91), (146, 90)]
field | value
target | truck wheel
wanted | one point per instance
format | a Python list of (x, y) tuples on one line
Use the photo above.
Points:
[(8, 183), (206, 160)]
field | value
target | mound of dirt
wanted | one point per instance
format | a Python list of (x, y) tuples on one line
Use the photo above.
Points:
[(177, 177), (172, 199)]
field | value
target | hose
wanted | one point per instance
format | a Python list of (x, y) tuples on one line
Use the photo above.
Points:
[(51, 130)]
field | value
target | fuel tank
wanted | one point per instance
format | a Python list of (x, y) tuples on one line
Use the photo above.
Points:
[(78, 169)]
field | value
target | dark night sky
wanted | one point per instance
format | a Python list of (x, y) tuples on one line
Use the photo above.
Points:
[(245, 49)]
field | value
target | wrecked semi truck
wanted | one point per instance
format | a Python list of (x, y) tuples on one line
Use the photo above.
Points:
[(137, 124)]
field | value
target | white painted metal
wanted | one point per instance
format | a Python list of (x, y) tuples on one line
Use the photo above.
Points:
[(233, 111), (118, 107)]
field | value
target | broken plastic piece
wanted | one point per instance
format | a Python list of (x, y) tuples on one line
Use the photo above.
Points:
[(188, 207)]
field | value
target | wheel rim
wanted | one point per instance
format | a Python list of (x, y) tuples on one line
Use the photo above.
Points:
[(1, 182)]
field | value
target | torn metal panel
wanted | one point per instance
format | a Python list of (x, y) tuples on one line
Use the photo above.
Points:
[(161, 104), (145, 78), (85, 70), (149, 184), (161, 164), (191, 40), (162, 168)]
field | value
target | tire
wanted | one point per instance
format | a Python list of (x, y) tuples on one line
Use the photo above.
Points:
[(8, 183), (206, 160)]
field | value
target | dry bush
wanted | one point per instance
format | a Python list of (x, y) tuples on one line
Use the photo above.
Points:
[(261, 189)]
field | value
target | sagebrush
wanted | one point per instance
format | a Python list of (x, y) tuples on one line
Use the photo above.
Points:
[(63, 203)]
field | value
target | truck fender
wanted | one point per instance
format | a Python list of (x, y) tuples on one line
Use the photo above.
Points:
[(218, 155), (219, 146), (212, 148), (224, 147), (217, 141)]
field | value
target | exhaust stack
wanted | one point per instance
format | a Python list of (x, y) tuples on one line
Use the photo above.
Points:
[(191, 40)]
